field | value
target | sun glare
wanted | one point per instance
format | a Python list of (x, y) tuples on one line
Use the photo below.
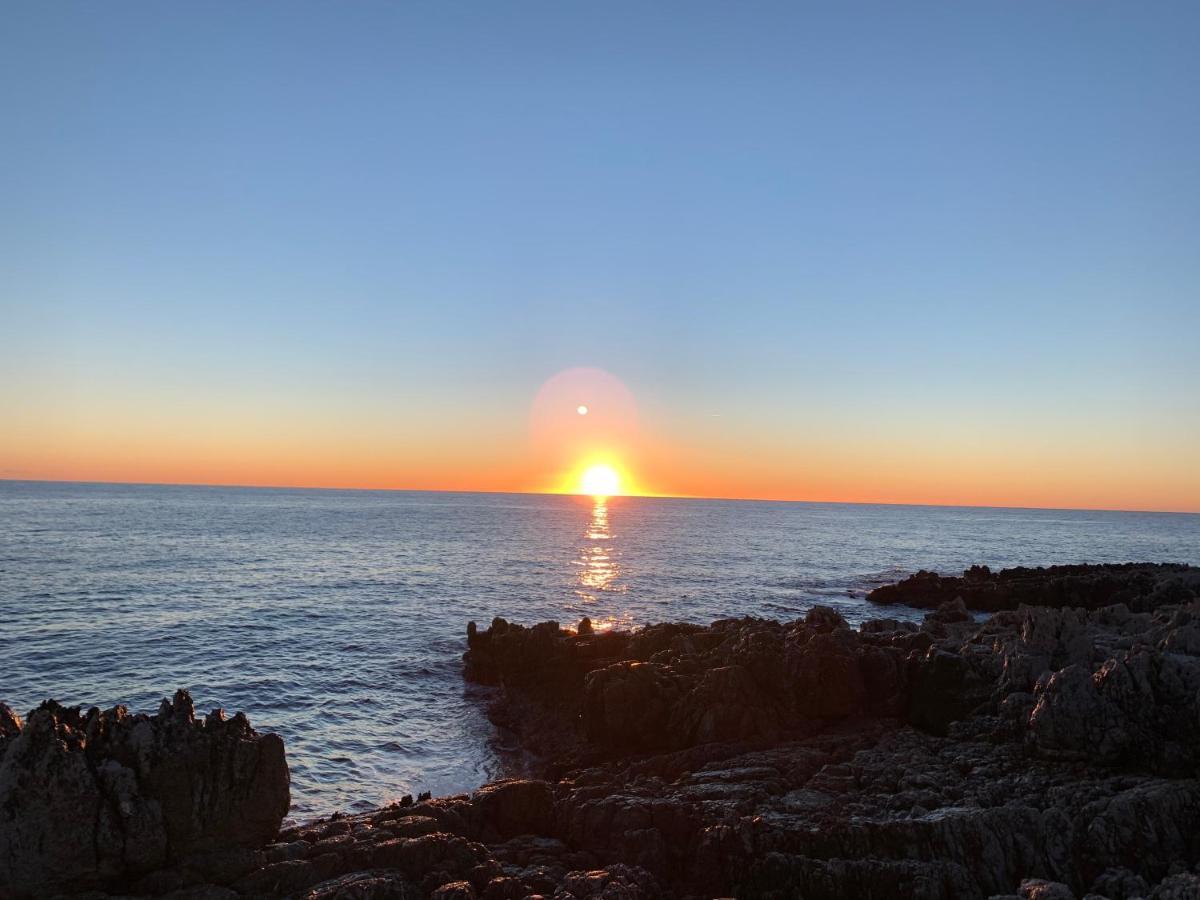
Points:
[(600, 481)]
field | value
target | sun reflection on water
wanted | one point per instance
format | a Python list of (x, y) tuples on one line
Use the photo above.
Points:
[(597, 561)]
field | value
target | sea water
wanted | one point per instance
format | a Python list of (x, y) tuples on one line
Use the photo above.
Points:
[(338, 618)]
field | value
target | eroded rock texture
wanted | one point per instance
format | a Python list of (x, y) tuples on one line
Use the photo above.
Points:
[(670, 687), (1050, 750), (87, 799), (1047, 752)]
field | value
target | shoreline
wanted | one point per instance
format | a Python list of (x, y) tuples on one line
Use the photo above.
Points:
[(748, 758)]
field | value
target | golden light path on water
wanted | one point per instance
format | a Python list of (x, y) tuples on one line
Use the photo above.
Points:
[(599, 570)]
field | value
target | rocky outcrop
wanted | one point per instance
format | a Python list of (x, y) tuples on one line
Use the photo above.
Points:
[(1046, 752), (1140, 586), (87, 799), (671, 687), (1141, 709)]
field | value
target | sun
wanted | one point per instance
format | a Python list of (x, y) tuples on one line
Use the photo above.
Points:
[(600, 481)]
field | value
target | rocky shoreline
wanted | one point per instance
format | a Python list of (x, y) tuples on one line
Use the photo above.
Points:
[(1048, 751)]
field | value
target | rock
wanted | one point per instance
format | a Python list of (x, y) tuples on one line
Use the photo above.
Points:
[(627, 706), (884, 626), (1119, 883), (202, 892), (1039, 889), (284, 878), (949, 613), (1139, 707), (1141, 586), (368, 885), (512, 808), (945, 687), (823, 618), (455, 890), (1051, 747), (89, 798), (515, 655), (617, 882), (1183, 886), (855, 804), (681, 686), (226, 866), (10, 726), (827, 676), (724, 704), (1045, 640)]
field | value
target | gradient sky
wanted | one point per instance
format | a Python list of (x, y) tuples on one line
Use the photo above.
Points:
[(902, 252)]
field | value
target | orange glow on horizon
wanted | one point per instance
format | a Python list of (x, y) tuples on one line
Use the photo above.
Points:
[(1112, 479), (548, 451), (857, 475), (1033, 494)]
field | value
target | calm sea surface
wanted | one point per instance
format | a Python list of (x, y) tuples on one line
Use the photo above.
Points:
[(337, 618)]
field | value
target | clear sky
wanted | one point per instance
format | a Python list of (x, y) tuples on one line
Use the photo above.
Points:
[(905, 252)]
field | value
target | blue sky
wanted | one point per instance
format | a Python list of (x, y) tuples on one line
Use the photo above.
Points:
[(944, 222)]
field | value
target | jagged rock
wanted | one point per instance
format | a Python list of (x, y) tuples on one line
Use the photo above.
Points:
[(1141, 586), (515, 655), (1045, 752), (513, 808), (627, 705), (1182, 886), (89, 798), (945, 687), (455, 890), (1119, 883), (369, 885), (888, 819), (617, 882), (1046, 640), (1040, 889), (10, 726), (683, 685), (1139, 707), (823, 619), (949, 613)]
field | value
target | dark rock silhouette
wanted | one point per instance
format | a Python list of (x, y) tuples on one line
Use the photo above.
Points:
[(86, 798), (1045, 752), (1140, 586)]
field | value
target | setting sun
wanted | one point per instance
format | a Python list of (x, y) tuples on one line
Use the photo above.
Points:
[(600, 481)]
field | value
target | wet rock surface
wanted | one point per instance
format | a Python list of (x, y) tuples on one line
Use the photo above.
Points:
[(1049, 751)]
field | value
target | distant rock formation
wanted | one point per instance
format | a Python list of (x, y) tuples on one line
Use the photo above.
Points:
[(91, 799), (1140, 586)]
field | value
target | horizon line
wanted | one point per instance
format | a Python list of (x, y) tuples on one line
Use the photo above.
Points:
[(646, 496)]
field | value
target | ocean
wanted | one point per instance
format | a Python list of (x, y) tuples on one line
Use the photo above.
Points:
[(338, 618)]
